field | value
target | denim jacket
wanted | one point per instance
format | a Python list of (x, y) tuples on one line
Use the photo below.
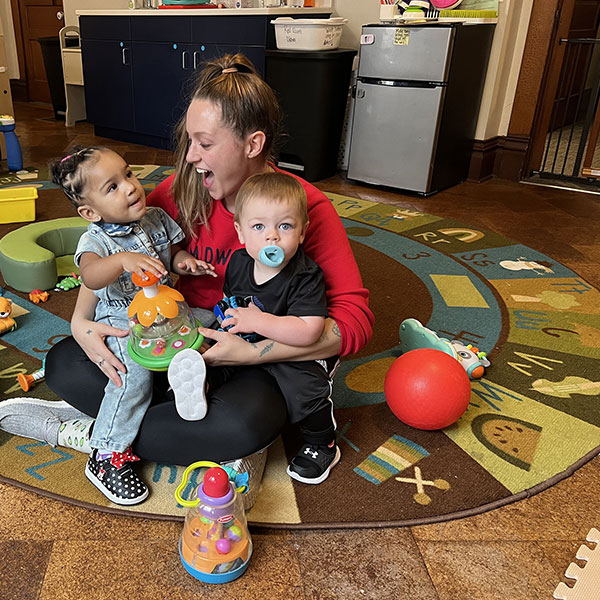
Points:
[(153, 235)]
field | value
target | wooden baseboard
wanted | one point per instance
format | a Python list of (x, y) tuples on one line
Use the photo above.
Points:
[(500, 156), (483, 158)]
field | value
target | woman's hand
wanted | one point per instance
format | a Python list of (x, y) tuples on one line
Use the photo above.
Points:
[(228, 349), (91, 335)]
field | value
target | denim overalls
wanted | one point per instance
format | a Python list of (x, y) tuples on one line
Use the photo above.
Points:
[(123, 408)]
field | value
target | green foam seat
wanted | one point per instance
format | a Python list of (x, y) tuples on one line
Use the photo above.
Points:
[(29, 255)]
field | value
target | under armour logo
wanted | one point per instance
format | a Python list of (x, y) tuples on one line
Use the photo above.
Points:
[(314, 453)]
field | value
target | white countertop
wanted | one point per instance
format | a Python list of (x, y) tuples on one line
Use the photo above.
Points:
[(206, 12)]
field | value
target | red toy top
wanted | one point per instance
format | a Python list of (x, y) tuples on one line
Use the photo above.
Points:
[(216, 483)]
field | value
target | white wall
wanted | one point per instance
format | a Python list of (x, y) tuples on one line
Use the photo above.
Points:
[(504, 67), (358, 13), (505, 57), (70, 6), (8, 30)]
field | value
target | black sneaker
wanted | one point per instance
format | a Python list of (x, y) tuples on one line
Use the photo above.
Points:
[(121, 486), (313, 463)]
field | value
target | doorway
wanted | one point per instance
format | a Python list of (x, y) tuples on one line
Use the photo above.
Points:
[(34, 19), (565, 148)]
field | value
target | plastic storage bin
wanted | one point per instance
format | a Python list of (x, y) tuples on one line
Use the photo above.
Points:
[(308, 34), (314, 105), (17, 204)]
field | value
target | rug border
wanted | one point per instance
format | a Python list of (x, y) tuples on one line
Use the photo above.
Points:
[(540, 487)]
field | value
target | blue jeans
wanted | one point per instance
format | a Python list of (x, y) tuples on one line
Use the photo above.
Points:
[(122, 408)]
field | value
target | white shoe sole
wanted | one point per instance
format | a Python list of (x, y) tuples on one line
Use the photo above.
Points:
[(187, 377)]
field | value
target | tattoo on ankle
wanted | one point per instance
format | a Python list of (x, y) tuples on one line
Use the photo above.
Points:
[(267, 349)]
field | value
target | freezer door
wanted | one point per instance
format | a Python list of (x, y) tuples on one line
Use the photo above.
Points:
[(394, 133), (412, 53)]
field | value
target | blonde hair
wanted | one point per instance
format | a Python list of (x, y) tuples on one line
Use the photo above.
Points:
[(274, 187), (247, 104)]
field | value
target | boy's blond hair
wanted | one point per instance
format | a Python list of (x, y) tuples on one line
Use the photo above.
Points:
[(274, 187)]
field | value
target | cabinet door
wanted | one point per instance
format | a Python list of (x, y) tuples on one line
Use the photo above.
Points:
[(160, 71), (256, 54), (108, 87)]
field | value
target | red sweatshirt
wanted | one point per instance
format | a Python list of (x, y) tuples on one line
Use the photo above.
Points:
[(326, 243)]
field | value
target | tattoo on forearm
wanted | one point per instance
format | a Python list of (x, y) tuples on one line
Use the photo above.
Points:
[(267, 349), (89, 332)]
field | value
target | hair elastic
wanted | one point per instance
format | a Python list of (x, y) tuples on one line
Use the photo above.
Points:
[(229, 70)]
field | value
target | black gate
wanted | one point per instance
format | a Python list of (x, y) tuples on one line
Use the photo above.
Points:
[(574, 110)]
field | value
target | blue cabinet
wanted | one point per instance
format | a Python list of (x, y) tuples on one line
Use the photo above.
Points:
[(138, 70)]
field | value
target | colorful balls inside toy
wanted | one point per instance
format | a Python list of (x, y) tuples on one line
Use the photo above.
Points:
[(427, 389)]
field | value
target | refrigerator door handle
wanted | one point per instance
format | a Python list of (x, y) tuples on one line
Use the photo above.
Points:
[(360, 93)]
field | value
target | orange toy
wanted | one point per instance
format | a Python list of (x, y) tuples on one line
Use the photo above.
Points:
[(37, 296)]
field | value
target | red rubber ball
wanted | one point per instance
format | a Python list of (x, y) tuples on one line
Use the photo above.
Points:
[(427, 389)]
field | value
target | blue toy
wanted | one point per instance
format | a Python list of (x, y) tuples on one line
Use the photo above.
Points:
[(236, 302), (14, 157), (413, 335)]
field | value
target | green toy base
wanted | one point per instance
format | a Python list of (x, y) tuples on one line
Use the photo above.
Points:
[(150, 360)]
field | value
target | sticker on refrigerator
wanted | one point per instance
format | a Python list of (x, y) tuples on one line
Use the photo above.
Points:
[(401, 36)]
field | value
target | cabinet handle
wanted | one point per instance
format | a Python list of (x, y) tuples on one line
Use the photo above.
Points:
[(183, 55), (124, 56), (59, 15), (196, 54), (360, 93)]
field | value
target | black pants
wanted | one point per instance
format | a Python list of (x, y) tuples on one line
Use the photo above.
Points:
[(245, 414), (306, 386)]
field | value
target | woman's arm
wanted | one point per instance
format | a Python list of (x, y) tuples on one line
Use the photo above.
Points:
[(231, 349), (90, 335)]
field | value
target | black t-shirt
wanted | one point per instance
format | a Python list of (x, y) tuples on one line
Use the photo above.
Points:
[(297, 290)]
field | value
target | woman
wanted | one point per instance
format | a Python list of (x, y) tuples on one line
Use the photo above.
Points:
[(227, 134)]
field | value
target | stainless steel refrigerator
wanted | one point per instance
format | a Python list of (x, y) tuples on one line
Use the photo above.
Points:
[(416, 104)]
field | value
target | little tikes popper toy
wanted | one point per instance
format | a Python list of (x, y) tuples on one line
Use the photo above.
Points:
[(413, 335), (215, 545), (160, 324)]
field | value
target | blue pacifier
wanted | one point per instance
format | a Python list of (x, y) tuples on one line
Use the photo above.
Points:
[(271, 256)]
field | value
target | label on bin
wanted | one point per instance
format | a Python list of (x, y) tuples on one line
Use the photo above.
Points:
[(366, 39)]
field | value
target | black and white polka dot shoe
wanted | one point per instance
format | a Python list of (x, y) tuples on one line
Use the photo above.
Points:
[(119, 485)]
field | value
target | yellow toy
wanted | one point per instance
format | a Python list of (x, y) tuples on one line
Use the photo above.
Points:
[(7, 323)]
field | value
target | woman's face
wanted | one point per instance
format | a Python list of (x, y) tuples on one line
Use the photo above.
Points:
[(216, 151)]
